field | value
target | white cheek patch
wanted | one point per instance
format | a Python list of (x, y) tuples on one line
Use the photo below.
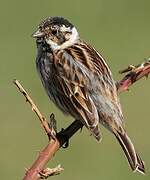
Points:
[(71, 41)]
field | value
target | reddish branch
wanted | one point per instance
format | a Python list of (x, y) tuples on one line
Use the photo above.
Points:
[(133, 74), (49, 151), (37, 171)]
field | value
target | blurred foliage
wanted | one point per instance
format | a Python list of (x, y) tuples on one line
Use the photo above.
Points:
[(120, 30)]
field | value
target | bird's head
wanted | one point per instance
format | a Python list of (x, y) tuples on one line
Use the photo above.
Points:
[(57, 32)]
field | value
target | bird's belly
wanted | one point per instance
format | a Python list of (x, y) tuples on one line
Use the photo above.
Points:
[(55, 93), (53, 87)]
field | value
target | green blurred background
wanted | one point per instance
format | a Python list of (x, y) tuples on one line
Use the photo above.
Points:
[(120, 30)]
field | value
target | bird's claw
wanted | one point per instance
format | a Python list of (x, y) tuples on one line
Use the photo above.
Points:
[(64, 136)]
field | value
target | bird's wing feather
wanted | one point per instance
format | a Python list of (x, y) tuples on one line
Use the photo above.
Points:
[(103, 87), (85, 75), (73, 79)]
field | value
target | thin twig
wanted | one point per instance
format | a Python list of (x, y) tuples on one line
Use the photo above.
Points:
[(42, 119)]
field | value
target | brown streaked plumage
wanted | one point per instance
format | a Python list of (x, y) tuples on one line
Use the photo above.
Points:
[(78, 80)]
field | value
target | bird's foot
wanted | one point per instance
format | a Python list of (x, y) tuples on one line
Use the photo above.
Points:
[(66, 144), (64, 138)]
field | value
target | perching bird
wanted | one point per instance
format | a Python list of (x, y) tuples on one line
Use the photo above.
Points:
[(80, 83)]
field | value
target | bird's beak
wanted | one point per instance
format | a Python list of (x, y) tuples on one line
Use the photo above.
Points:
[(38, 34)]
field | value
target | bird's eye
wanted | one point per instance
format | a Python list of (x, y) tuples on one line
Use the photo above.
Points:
[(54, 32)]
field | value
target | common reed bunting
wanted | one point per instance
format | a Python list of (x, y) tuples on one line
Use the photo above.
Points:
[(80, 83)]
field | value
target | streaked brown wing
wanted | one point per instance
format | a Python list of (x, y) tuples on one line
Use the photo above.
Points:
[(88, 82), (105, 85), (88, 57), (74, 79)]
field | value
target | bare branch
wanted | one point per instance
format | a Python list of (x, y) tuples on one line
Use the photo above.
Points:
[(34, 173), (133, 74)]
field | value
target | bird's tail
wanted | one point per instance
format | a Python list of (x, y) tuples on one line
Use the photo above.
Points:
[(133, 158)]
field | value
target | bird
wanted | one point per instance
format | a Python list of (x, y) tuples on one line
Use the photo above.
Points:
[(79, 82)]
